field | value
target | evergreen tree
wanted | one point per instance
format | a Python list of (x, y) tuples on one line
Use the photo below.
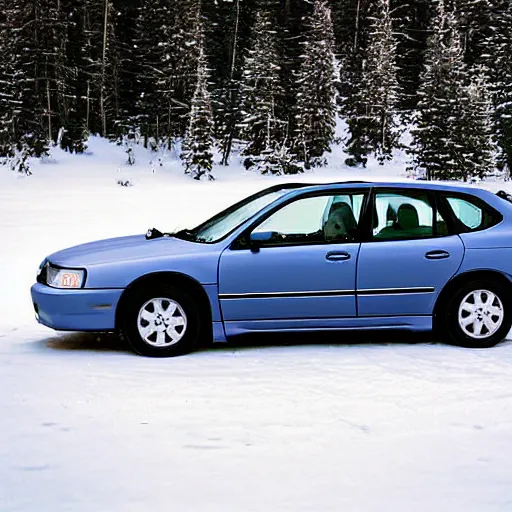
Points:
[(197, 155), (168, 51), (74, 126), (104, 68), (9, 80), (497, 56), (411, 20), (475, 138), (374, 127), (261, 92), (24, 91), (315, 111), (178, 66), (225, 41), (437, 135), (126, 122), (351, 23), (149, 39), (475, 25), (93, 65)]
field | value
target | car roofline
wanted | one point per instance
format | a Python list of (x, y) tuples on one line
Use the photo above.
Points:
[(484, 194), (412, 184)]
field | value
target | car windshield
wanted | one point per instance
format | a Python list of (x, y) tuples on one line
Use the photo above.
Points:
[(224, 223)]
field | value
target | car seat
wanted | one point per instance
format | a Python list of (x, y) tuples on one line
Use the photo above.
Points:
[(340, 222), (407, 218)]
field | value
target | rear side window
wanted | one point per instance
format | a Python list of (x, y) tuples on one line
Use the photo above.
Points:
[(472, 215), (405, 215)]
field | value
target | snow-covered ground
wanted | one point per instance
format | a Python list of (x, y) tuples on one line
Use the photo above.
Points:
[(305, 424)]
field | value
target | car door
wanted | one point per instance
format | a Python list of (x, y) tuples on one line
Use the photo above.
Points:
[(306, 268), (408, 257)]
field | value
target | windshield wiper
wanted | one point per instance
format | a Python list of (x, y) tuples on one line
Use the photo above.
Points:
[(185, 234)]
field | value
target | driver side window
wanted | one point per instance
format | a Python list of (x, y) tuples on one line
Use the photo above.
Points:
[(317, 220)]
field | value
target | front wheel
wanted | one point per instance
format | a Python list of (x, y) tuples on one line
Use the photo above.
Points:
[(479, 315), (161, 321)]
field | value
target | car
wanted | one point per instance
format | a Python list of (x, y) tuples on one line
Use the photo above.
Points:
[(298, 257)]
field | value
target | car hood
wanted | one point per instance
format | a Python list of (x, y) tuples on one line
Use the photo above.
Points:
[(127, 248)]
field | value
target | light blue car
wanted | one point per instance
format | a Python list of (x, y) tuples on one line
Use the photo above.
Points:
[(298, 257)]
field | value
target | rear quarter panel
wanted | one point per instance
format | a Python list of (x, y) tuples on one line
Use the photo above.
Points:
[(499, 259), (489, 250)]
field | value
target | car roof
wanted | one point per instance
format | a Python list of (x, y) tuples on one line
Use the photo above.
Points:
[(426, 185)]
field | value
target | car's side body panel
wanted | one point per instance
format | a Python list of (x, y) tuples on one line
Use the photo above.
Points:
[(398, 278), (288, 282)]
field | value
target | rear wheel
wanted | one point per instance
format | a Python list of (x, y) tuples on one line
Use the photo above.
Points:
[(161, 321), (479, 315)]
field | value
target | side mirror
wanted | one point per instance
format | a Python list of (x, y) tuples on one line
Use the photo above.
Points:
[(259, 238)]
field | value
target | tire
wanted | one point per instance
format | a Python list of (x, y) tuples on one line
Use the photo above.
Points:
[(479, 315), (161, 321)]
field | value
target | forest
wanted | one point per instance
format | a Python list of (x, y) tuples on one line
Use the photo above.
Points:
[(262, 80)]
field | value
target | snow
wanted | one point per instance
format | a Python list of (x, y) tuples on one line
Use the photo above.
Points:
[(309, 423)]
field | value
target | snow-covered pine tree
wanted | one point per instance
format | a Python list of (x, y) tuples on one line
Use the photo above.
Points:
[(351, 21), (498, 59), (21, 70), (150, 35), (437, 145), (315, 110), (475, 138), (374, 123), (224, 40), (108, 70), (167, 50), (10, 90), (411, 21), (101, 66), (186, 36), (475, 25), (126, 123), (197, 151), (261, 92), (74, 132), (51, 53)]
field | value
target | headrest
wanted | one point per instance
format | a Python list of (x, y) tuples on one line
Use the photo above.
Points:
[(407, 217)]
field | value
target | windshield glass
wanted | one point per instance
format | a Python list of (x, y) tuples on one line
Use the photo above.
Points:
[(224, 223)]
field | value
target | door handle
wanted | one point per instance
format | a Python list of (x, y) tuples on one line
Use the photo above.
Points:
[(437, 255), (337, 256)]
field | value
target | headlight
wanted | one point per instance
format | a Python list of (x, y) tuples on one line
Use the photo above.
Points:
[(64, 277)]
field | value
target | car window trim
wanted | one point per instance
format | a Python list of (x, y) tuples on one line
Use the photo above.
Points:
[(241, 241)]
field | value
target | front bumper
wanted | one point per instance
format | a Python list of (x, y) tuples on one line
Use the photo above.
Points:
[(75, 310)]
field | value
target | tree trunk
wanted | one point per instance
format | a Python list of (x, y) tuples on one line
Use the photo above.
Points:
[(103, 71), (356, 35), (48, 107), (229, 143)]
